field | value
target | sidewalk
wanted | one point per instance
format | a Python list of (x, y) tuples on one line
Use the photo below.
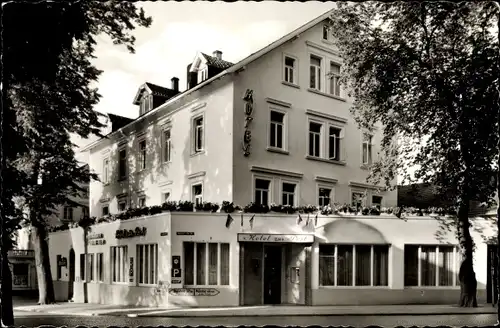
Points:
[(82, 309), (246, 311)]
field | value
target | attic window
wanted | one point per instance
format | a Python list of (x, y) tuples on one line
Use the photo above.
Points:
[(202, 74), (146, 104)]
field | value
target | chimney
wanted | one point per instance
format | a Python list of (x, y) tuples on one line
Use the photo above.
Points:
[(175, 83), (218, 54)]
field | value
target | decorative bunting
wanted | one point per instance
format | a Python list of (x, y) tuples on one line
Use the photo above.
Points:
[(241, 219), (229, 221), (299, 219), (251, 221), (316, 220)]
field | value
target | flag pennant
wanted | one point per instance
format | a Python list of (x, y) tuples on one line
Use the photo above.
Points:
[(242, 219), (299, 219), (316, 220), (251, 221), (229, 221), (307, 220)]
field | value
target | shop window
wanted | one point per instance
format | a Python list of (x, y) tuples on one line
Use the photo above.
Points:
[(206, 264), (20, 273), (147, 264), (90, 266), (431, 265), (119, 264), (82, 267), (339, 263), (99, 267)]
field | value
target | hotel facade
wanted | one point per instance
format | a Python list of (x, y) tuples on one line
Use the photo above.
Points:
[(274, 128)]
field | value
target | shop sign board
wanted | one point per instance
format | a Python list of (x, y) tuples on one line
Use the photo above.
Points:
[(275, 238)]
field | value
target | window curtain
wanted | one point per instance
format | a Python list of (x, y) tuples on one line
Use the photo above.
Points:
[(381, 265), (363, 264), (224, 258), (344, 265), (411, 265), (189, 263), (445, 261), (201, 263), (327, 265), (428, 265)]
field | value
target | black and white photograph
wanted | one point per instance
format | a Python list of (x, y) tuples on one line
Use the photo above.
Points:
[(243, 163)]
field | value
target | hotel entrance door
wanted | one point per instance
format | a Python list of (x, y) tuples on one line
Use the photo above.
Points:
[(272, 274)]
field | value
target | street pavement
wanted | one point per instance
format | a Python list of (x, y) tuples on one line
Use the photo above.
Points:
[(33, 319)]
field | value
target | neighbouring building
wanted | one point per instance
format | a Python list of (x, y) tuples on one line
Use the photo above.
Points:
[(273, 128)]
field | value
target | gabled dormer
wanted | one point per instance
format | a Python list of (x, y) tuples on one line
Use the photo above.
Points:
[(204, 67), (149, 96)]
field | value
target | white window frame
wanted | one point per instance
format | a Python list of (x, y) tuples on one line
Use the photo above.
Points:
[(102, 209), (369, 144), (167, 144), (207, 264), (456, 267), (139, 199), (166, 199), (90, 268), (145, 266), (333, 79), (374, 204), (142, 154), (67, 211), (341, 140), (197, 130), (319, 75), (202, 74), (116, 266), (124, 176), (321, 137), (270, 195), (195, 198), (325, 186), (328, 35), (295, 71), (372, 271), (284, 131), (99, 267), (105, 170), (122, 201), (296, 193), (359, 191)]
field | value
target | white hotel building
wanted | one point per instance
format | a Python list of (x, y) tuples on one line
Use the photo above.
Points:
[(273, 128)]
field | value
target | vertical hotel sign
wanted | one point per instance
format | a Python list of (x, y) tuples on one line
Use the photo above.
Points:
[(247, 137)]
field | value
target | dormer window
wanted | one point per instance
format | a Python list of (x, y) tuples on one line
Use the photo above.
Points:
[(202, 74), (146, 104)]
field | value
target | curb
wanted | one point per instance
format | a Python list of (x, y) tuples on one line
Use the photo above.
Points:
[(204, 315)]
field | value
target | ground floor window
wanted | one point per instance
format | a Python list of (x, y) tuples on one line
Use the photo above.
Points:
[(82, 267), (431, 265), (119, 263), (90, 268), (99, 267), (20, 272), (206, 264), (147, 264), (353, 265)]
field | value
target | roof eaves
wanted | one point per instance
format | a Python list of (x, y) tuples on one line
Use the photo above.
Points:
[(236, 67)]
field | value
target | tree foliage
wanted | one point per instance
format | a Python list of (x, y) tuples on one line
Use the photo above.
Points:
[(425, 73), (48, 94)]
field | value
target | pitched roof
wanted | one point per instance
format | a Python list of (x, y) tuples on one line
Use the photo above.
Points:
[(161, 91), (240, 65), (216, 62), (118, 121)]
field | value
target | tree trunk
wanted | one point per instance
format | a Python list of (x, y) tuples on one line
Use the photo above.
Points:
[(498, 172), (42, 261), (467, 276), (6, 310)]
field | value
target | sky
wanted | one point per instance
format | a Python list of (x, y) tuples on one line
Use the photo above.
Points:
[(179, 30)]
